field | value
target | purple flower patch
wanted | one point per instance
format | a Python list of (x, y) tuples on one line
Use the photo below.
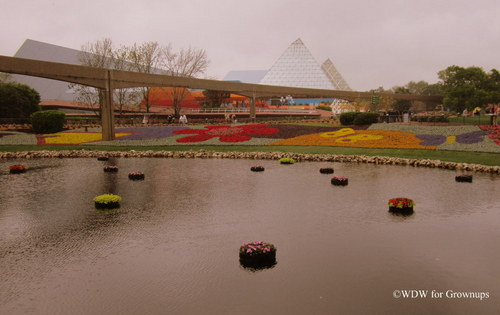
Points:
[(144, 133), (471, 137), (431, 140)]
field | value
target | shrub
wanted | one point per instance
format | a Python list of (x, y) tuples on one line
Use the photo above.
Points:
[(348, 118), (366, 119), (47, 121), (18, 100)]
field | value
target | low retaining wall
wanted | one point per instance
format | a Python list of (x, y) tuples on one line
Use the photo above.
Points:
[(203, 154)]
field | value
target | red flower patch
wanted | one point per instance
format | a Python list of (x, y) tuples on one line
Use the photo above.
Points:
[(493, 132), (225, 133)]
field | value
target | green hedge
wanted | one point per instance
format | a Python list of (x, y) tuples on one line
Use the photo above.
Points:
[(358, 118), (47, 121)]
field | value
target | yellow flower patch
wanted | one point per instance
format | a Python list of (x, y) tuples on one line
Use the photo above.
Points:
[(76, 137), (348, 137)]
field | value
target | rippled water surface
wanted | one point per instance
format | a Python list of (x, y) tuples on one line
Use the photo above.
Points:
[(172, 247)]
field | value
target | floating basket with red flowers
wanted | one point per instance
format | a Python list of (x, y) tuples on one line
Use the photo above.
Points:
[(401, 205), (326, 170), (136, 175), (17, 169), (257, 168), (102, 158), (340, 181), (257, 255), (463, 178), (111, 169)]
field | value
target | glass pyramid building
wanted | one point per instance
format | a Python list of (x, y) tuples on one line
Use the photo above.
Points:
[(335, 77), (296, 67)]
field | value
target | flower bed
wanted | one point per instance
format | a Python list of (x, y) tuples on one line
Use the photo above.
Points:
[(136, 175), (17, 169), (286, 160), (111, 169), (257, 168), (107, 201), (257, 255), (463, 178), (401, 205), (326, 170), (340, 181)]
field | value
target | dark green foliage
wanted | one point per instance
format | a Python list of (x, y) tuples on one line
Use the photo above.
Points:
[(366, 119), (18, 100), (469, 87), (47, 121), (324, 107), (358, 118), (430, 118), (348, 118)]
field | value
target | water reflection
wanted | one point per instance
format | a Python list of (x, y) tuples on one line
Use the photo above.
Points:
[(169, 248)]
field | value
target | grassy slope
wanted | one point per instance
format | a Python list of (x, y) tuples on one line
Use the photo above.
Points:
[(452, 156)]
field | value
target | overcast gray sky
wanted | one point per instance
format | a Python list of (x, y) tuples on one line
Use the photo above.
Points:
[(372, 43)]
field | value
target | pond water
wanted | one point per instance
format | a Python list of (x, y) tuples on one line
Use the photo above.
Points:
[(172, 246)]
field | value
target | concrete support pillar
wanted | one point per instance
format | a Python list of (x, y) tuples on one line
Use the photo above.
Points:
[(252, 108), (107, 115)]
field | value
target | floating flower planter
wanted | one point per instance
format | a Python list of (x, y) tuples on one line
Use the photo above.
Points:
[(401, 205), (257, 255), (340, 181), (136, 175), (257, 168), (102, 158), (107, 201), (17, 169), (326, 170), (287, 161), (463, 178), (111, 169)]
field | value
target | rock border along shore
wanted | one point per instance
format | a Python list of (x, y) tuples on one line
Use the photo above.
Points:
[(204, 154)]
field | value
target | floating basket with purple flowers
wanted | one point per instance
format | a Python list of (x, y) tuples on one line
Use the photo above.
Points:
[(111, 169), (136, 175), (340, 181), (257, 255), (257, 168), (326, 170), (463, 178)]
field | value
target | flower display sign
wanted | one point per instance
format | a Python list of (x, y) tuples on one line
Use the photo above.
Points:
[(401, 202)]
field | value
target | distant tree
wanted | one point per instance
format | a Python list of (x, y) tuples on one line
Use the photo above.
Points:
[(128, 96), (18, 100), (147, 58), (189, 63), (98, 54), (469, 87), (402, 105), (215, 98)]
